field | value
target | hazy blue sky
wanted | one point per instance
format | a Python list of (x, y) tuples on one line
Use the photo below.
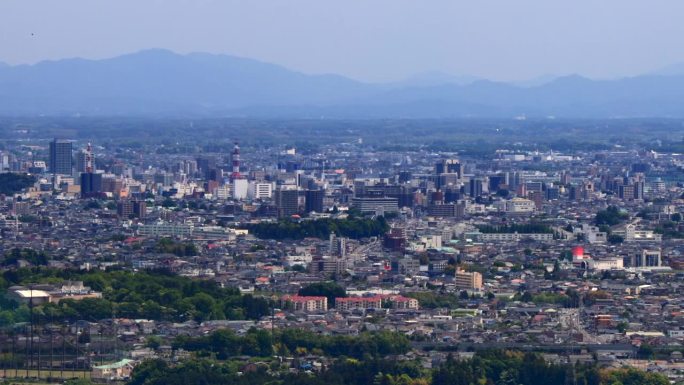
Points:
[(364, 39)]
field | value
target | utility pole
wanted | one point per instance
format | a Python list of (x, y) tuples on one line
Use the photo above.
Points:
[(63, 353), (14, 353), (78, 335), (31, 332), (116, 335), (27, 357), (52, 350), (272, 309), (4, 365), (101, 346), (39, 333)]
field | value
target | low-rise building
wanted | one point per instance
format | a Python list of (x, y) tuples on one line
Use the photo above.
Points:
[(42, 293), (306, 303), (351, 303), (120, 370)]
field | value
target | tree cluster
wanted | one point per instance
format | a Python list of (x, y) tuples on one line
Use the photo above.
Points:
[(224, 344), (506, 367), (434, 300), (355, 228), (492, 367), (526, 228), (154, 295), (330, 290), (610, 216), (36, 258), (669, 230), (12, 183), (181, 249)]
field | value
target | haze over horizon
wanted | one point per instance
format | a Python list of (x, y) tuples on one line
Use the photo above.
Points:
[(384, 40)]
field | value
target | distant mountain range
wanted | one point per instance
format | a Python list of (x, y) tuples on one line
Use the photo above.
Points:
[(162, 83)]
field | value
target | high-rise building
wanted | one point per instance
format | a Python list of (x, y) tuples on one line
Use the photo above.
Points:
[(448, 210), (475, 187), (370, 205), (91, 184), (287, 201), (21, 207), (205, 164), (444, 181), (5, 162), (452, 195), (131, 208), (552, 193), (534, 186), (405, 176), (520, 206), (537, 197), (513, 179), (112, 184), (468, 280), (329, 265), (395, 239), (565, 178), (314, 200), (260, 190), (495, 181), (639, 187), (240, 188), (338, 246), (80, 161), (448, 172), (61, 158), (215, 175), (163, 178), (626, 192), (448, 166)]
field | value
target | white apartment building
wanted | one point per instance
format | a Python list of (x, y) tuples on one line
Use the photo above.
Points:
[(260, 190)]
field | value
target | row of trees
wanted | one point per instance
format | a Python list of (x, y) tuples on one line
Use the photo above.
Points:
[(569, 299), (224, 344), (495, 368), (355, 228), (506, 367), (526, 228), (434, 300)]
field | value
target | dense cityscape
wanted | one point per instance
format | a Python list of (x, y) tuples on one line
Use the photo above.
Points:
[(342, 260), (341, 192)]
